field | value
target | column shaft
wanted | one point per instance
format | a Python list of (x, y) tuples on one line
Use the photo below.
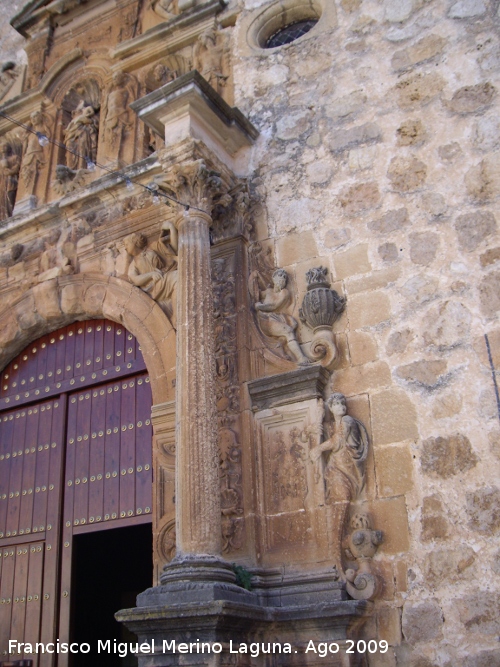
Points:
[(197, 457)]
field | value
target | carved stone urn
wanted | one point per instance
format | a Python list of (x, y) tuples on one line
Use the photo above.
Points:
[(321, 307)]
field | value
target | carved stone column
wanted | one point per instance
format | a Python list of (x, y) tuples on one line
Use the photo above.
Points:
[(198, 518)]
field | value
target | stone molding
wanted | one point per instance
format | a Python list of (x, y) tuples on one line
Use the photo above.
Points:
[(295, 386), (61, 301)]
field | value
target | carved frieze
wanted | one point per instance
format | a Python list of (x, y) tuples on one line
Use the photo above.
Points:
[(228, 401)]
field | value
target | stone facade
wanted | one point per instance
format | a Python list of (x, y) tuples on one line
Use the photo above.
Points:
[(354, 173)]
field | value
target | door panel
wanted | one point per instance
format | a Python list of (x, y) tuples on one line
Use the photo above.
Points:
[(75, 456)]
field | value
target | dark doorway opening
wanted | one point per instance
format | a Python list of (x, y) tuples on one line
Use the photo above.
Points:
[(110, 567)]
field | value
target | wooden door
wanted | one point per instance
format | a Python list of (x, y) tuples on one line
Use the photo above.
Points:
[(77, 461)]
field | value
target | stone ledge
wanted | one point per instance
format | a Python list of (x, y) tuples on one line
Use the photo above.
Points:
[(295, 386)]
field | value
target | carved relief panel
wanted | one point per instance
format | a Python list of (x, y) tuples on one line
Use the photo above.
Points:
[(290, 493)]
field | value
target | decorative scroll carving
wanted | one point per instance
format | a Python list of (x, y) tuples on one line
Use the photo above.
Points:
[(211, 58), (34, 154), (228, 402), (321, 307), (118, 118), (167, 9), (154, 268), (166, 542), (10, 165), (363, 542)]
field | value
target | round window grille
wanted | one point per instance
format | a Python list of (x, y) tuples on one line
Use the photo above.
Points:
[(290, 33)]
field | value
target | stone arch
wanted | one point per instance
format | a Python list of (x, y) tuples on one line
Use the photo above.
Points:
[(61, 301)]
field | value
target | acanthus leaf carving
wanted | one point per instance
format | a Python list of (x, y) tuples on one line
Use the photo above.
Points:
[(194, 184)]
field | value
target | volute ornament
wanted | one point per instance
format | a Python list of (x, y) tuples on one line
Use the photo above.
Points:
[(321, 307)]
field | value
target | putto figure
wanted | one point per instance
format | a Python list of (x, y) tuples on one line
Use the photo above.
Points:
[(273, 321), (154, 268)]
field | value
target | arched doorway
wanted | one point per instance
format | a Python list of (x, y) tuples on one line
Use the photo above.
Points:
[(75, 465)]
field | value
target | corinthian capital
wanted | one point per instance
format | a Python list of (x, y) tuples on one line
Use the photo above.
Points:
[(195, 185)]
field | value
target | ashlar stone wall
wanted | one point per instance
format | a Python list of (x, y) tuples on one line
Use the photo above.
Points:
[(379, 159)]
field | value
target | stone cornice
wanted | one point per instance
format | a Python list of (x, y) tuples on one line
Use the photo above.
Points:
[(169, 36)]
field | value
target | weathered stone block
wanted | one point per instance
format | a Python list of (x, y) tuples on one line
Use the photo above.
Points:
[(494, 345), (420, 289), (447, 325), (483, 509), (489, 658), (489, 257), (426, 48), (294, 248), (368, 309), (393, 470), (394, 417), (473, 228), (433, 519), (388, 252), (486, 133), (363, 134), (336, 238), (360, 197), (397, 11), (483, 180), (391, 517), (471, 99), (346, 105), (480, 612), (358, 379), (443, 565), (489, 294), (418, 89), (429, 374), (406, 173), (450, 152), (467, 9), (422, 621), (375, 280), (423, 247), (47, 300), (447, 456), (392, 221), (447, 405), (72, 299), (410, 133), (399, 341), (434, 204), (389, 625), (362, 348), (319, 172), (351, 262)]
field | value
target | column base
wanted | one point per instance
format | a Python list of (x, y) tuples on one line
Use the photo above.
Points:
[(212, 623)]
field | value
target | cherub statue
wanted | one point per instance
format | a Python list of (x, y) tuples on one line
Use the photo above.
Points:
[(273, 321), (154, 268)]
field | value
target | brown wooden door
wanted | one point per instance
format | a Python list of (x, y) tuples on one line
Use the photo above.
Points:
[(77, 461)]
